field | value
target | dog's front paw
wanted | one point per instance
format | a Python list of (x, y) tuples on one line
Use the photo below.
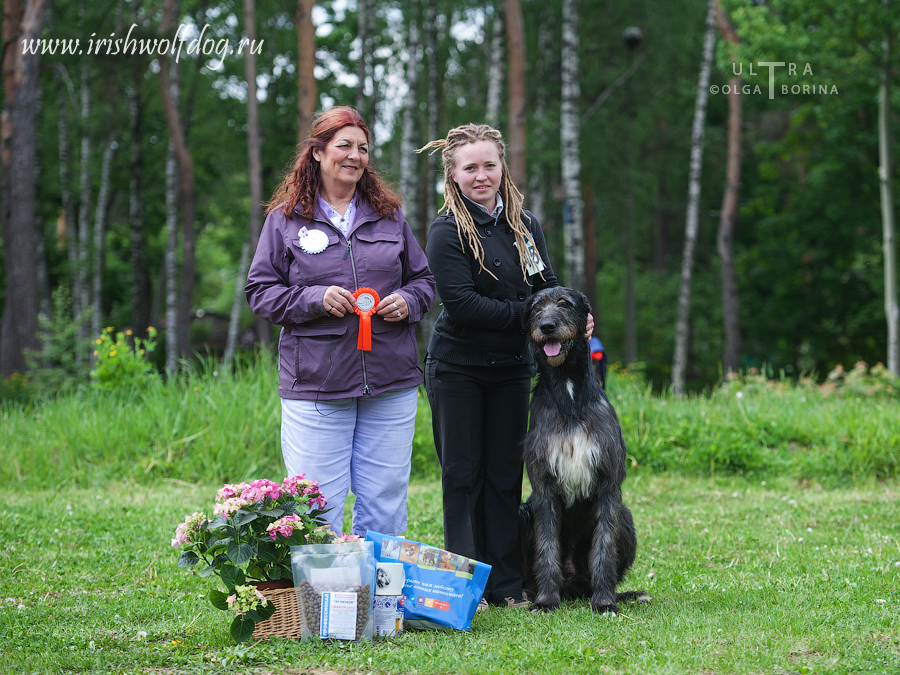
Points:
[(544, 604), (605, 609)]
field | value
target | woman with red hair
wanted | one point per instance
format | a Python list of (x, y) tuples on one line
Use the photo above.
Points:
[(338, 268)]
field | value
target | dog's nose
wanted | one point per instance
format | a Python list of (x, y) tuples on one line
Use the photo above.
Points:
[(548, 327)]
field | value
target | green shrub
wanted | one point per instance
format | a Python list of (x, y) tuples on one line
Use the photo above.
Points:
[(120, 363)]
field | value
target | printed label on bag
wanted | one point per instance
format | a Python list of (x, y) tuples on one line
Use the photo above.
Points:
[(338, 616)]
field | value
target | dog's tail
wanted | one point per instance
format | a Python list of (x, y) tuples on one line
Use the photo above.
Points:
[(631, 596)]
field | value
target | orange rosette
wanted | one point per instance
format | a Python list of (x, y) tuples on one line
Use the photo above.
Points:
[(366, 301)]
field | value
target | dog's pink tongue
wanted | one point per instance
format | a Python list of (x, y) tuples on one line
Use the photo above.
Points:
[(552, 348)]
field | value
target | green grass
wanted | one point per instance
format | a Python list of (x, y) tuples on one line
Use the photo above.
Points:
[(745, 578), (216, 424), (766, 512)]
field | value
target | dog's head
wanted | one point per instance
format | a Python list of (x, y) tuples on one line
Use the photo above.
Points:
[(555, 319), (382, 578)]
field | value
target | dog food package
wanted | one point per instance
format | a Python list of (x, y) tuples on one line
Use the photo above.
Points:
[(441, 589), (335, 589)]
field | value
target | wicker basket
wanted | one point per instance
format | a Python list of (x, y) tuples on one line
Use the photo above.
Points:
[(285, 622)]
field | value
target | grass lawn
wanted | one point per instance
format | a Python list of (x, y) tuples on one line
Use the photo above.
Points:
[(775, 576)]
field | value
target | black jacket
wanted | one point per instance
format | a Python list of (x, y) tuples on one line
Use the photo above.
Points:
[(481, 322)]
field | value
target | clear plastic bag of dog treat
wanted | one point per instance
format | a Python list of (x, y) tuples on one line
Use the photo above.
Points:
[(335, 590)]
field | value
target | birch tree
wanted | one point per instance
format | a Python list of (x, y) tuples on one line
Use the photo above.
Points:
[(408, 174), (495, 72), (693, 204), (885, 178), (81, 299), (99, 234), (570, 130)]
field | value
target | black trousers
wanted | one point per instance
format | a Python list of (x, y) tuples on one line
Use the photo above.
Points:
[(479, 415)]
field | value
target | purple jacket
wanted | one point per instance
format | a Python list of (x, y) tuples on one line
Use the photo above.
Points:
[(317, 352)]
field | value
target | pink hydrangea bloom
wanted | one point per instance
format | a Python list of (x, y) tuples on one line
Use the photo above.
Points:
[(295, 484), (230, 490), (246, 598), (348, 538), (229, 506), (260, 489), (186, 531), (285, 526)]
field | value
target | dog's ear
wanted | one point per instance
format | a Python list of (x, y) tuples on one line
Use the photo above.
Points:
[(587, 303), (526, 308)]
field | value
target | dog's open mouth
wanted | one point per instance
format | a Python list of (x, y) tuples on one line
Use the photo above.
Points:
[(556, 351)]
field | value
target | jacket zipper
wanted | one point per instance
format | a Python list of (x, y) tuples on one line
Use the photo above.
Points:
[(362, 354)]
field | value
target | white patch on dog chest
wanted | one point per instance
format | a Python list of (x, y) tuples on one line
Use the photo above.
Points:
[(570, 387), (572, 458)]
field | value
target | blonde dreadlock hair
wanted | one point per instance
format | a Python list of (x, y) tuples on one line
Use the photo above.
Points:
[(453, 197)]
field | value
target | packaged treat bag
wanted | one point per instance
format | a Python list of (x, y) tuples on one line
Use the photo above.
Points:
[(441, 589), (390, 577), (335, 589)]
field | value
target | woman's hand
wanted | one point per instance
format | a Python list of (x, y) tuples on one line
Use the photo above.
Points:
[(590, 326), (393, 308), (338, 301)]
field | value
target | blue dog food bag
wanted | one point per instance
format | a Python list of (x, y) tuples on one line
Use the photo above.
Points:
[(442, 589)]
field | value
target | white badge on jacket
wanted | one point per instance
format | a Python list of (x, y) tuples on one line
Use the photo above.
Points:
[(533, 262), (312, 241)]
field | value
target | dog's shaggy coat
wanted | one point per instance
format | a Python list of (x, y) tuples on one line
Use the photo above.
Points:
[(577, 536)]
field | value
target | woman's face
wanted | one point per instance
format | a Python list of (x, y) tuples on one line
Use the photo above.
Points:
[(478, 172), (345, 157)]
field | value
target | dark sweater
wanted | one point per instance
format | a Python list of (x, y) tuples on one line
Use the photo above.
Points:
[(481, 322)]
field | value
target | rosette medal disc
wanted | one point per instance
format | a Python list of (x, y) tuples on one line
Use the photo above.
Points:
[(366, 301), (313, 241)]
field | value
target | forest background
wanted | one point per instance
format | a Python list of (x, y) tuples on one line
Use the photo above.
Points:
[(131, 182)]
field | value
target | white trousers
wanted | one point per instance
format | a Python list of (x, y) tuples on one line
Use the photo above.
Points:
[(359, 444)]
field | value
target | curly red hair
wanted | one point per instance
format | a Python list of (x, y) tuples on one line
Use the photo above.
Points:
[(301, 184)]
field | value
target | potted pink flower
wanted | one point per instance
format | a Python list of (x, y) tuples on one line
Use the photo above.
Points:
[(249, 541)]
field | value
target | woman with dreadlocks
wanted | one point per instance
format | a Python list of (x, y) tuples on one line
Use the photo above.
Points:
[(488, 255)]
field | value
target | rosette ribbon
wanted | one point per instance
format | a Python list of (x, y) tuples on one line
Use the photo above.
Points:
[(366, 301)]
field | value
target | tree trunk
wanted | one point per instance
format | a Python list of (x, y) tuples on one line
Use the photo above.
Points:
[(254, 164), (408, 159), (691, 221), (430, 211), (186, 169), (362, 26), (885, 174), (495, 73), (631, 349), (516, 124), (99, 234), (19, 324), (590, 253), (69, 229), (731, 357), (306, 67), (569, 133), (81, 300), (140, 280), (170, 261)]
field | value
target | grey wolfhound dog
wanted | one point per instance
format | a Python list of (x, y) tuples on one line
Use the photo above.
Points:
[(577, 536)]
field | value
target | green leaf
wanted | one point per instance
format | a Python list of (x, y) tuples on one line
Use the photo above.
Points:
[(242, 628), (267, 552), (218, 599), (239, 554), (275, 513), (188, 559), (232, 576), (243, 517), (261, 613)]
